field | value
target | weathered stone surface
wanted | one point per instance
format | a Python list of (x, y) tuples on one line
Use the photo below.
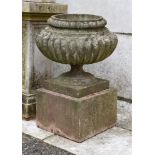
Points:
[(124, 117), (76, 118)]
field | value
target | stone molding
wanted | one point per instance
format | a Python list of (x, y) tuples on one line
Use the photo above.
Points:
[(38, 11), (32, 7)]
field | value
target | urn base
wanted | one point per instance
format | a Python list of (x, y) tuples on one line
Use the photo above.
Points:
[(76, 83), (76, 86), (76, 118)]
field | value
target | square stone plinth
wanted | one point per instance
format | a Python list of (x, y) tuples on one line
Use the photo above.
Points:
[(76, 118)]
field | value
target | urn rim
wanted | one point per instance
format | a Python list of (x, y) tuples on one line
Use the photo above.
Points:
[(77, 21)]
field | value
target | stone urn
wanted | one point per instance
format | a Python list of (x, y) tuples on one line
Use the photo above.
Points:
[(76, 39)]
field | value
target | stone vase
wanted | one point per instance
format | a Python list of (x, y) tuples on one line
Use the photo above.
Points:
[(76, 39), (76, 104)]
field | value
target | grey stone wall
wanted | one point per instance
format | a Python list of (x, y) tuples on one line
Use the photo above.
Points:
[(117, 68)]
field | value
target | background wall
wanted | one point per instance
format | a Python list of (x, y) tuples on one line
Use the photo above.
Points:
[(116, 68)]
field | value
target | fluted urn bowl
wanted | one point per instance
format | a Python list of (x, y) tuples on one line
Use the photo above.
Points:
[(76, 39)]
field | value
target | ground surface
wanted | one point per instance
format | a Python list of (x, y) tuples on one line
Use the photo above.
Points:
[(34, 146)]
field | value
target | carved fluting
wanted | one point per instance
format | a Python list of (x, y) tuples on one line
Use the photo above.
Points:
[(84, 49), (68, 45)]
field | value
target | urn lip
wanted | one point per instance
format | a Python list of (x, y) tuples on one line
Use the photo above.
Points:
[(77, 21)]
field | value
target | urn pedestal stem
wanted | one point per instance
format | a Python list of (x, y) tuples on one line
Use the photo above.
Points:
[(76, 69)]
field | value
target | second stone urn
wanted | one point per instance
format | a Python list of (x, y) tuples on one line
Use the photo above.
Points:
[(76, 104)]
